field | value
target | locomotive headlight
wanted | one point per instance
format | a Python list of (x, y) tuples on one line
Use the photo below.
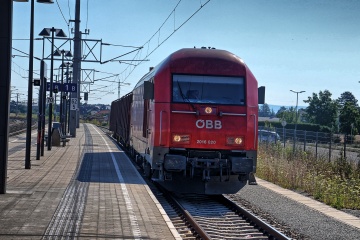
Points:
[(234, 140), (181, 138), (238, 140), (208, 110), (176, 138)]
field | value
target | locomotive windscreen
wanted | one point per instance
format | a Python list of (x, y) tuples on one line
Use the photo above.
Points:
[(208, 89)]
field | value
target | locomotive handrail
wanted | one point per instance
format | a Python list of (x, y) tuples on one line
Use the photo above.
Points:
[(160, 137), (188, 112), (255, 131), (232, 114)]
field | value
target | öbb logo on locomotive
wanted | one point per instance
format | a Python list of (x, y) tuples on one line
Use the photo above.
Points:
[(191, 122), (209, 124)]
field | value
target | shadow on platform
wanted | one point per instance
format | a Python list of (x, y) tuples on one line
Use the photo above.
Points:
[(99, 167)]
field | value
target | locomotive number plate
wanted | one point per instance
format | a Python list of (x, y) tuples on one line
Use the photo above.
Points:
[(206, 141)]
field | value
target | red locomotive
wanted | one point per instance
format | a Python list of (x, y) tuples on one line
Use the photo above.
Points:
[(192, 122)]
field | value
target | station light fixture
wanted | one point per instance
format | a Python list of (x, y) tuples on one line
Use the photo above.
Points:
[(47, 32), (63, 53), (30, 82)]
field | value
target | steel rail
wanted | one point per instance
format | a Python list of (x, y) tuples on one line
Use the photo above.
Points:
[(197, 228), (266, 228)]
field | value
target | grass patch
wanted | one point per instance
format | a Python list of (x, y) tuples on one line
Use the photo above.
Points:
[(335, 183)]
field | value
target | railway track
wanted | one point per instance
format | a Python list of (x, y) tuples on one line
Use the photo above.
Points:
[(198, 216), (17, 126), (216, 217), (184, 229)]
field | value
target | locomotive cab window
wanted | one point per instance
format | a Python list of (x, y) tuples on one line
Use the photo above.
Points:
[(208, 89)]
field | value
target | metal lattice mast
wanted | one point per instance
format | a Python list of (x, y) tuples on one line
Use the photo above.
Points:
[(75, 96)]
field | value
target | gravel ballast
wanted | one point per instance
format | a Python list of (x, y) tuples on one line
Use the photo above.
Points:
[(304, 222)]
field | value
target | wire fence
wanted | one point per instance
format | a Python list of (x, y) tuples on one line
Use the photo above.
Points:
[(322, 144)]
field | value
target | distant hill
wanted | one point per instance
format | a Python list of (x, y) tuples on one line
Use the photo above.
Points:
[(276, 108)]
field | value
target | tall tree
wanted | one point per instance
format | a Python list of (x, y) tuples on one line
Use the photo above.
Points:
[(272, 113), (347, 97), (287, 114), (349, 118), (280, 112), (322, 109), (264, 110)]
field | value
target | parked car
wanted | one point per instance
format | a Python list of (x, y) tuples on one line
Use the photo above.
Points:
[(268, 136)]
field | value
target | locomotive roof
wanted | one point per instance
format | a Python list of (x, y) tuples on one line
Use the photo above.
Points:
[(205, 53), (188, 53)]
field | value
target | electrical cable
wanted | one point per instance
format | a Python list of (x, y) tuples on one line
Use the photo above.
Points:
[(67, 23), (158, 32)]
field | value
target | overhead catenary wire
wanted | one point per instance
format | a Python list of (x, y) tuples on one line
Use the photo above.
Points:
[(70, 23), (138, 58), (62, 14), (20, 69), (27, 55), (69, 9), (101, 87)]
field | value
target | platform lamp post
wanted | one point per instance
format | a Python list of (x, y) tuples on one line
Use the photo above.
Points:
[(296, 114), (30, 93), (59, 33), (41, 114), (67, 107), (64, 54)]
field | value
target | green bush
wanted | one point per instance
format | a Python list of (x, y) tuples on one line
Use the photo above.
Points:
[(336, 139), (335, 183)]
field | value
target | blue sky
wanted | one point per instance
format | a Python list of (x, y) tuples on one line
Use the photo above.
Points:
[(295, 45)]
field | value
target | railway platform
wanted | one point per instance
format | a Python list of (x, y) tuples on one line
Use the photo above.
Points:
[(86, 190)]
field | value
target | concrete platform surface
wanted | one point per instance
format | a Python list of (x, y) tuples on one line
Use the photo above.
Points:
[(85, 190)]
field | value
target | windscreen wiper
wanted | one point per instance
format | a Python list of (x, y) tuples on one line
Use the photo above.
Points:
[(186, 99)]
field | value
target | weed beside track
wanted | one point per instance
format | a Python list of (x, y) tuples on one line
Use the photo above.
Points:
[(335, 183)]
